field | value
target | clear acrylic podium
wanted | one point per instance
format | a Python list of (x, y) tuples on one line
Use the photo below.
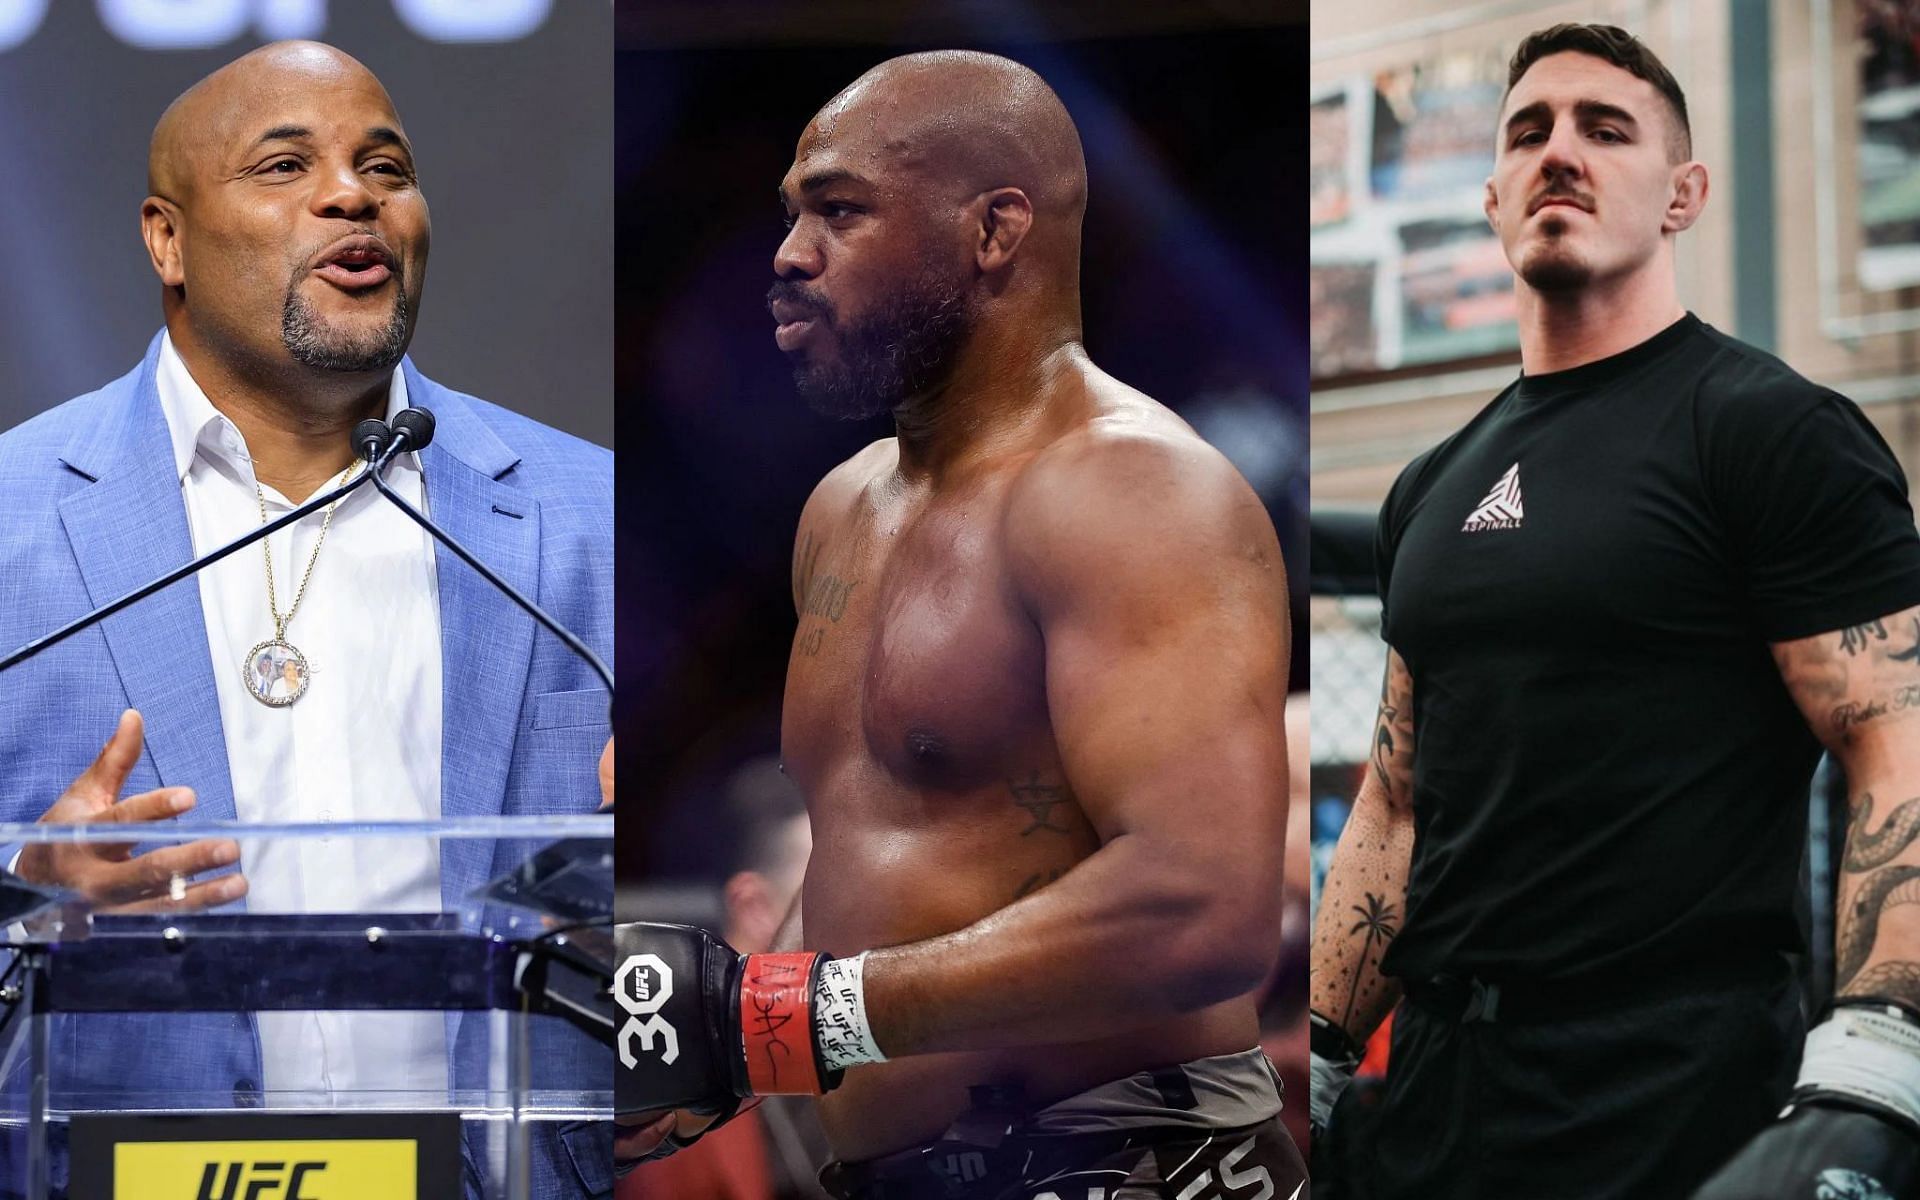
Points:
[(129, 1051)]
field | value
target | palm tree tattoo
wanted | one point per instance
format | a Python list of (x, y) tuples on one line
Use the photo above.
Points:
[(1378, 920)]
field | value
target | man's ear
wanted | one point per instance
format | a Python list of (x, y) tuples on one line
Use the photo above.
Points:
[(1490, 205), (1004, 221), (1689, 198), (160, 229)]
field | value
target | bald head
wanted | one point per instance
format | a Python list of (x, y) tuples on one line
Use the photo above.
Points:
[(285, 220), (969, 120), (198, 130), (935, 205)]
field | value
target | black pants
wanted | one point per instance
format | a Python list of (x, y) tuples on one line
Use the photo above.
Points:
[(1639, 1097), (1257, 1162)]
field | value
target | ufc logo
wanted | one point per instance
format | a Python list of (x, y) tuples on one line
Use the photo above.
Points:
[(643, 985), (261, 1179), (962, 1168)]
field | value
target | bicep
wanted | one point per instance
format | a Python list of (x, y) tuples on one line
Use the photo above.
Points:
[(1166, 686), (1859, 689)]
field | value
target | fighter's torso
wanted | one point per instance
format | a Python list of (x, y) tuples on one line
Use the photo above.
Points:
[(1568, 582), (916, 725)]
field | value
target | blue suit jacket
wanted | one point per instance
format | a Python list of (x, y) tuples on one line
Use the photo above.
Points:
[(93, 508)]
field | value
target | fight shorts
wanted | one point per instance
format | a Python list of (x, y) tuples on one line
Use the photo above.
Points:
[(1205, 1130)]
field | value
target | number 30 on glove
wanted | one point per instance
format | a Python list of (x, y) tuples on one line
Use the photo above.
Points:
[(704, 1025)]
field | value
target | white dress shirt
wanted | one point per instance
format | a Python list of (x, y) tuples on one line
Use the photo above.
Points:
[(363, 742)]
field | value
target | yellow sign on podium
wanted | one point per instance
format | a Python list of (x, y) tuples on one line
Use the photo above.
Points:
[(343, 1169)]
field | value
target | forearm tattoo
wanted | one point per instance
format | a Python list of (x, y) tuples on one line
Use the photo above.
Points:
[(1899, 980), (1876, 891), (1378, 923), (1363, 903), (1860, 691), (1860, 926), (1865, 851)]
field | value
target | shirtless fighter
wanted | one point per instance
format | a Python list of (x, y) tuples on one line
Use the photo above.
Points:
[(1034, 703)]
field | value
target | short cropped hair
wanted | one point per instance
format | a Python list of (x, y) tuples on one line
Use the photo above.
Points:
[(1612, 44)]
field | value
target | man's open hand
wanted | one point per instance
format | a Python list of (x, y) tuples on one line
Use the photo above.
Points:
[(108, 873)]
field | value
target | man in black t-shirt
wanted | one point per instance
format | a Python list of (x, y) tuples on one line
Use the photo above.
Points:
[(1626, 606)]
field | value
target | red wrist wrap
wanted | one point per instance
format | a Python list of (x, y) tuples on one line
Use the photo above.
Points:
[(776, 1024)]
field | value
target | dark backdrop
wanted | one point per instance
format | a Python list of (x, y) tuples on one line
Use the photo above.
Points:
[(513, 142), (1193, 285)]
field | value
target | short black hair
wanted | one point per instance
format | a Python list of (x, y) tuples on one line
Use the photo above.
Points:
[(1612, 44)]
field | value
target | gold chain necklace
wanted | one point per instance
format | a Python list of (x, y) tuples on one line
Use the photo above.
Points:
[(275, 671)]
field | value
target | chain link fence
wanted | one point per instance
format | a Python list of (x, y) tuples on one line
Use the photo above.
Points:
[(1347, 660)]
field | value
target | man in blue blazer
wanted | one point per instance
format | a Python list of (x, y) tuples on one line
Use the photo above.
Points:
[(288, 229)]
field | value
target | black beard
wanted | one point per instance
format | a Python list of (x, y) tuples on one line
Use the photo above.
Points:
[(311, 342), (905, 348), (1556, 270), (1557, 275)]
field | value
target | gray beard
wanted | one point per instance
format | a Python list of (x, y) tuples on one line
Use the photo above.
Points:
[(314, 344)]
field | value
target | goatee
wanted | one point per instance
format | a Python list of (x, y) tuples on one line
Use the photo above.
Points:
[(316, 344)]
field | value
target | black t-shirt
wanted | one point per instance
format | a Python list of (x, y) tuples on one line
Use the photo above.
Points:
[(1608, 770)]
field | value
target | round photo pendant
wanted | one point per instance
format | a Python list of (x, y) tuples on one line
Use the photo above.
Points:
[(275, 673)]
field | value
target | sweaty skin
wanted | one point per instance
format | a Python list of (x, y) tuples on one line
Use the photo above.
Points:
[(920, 727), (1036, 689)]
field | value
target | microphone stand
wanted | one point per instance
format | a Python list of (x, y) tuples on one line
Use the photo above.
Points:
[(512, 593), (172, 577)]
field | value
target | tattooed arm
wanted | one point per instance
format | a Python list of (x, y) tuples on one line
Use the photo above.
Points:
[(1859, 688), (1365, 894), (1854, 1114)]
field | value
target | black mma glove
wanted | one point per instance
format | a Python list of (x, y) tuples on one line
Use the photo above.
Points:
[(1333, 1058), (707, 1026), (1852, 1128)]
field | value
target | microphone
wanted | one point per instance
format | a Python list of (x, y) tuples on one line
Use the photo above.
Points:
[(412, 429), (416, 424), (371, 437), (206, 560)]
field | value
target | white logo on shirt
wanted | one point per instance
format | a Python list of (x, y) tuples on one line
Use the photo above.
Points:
[(1501, 507)]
